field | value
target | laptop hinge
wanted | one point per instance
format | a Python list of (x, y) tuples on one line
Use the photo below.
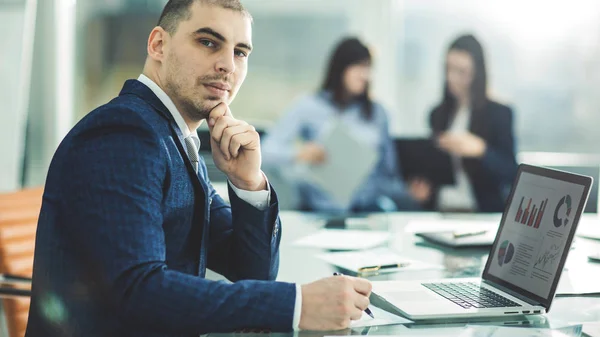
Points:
[(513, 293)]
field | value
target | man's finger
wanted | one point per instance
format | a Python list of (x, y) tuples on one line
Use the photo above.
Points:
[(361, 302), (223, 123), (242, 140), (218, 111), (362, 286), (228, 111), (356, 314), (228, 135)]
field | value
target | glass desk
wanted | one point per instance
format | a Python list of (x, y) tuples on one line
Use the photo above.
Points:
[(300, 265)]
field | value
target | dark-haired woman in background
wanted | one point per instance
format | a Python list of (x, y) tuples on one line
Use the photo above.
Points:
[(295, 141), (476, 131)]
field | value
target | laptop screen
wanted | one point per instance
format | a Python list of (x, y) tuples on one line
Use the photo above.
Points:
[(536, 232)]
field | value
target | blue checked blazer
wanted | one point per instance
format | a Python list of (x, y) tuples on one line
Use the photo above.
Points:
[(127, 230)]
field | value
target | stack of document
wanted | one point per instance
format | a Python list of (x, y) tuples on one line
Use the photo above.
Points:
[(589, 228), (576, 282), (381, 260), (455, 225), (344, 239), (454, 232), (591, 329)]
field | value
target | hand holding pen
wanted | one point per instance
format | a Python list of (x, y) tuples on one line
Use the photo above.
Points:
[(367, 310), (332, 303)]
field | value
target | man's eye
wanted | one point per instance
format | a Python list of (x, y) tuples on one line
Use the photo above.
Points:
[(240, 53), (207, 43)]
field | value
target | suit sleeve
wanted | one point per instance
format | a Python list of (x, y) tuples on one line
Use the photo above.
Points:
[(244, 241), (499, 158), (118, 169)]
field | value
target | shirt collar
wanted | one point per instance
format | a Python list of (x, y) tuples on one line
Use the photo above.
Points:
[(166, 100)]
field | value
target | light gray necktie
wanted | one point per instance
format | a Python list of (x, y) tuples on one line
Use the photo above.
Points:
[(192, 152)]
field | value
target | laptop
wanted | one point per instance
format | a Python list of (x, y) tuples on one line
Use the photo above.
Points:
[(525, 261)]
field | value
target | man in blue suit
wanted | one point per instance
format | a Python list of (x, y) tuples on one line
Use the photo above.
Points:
[(130, 221)]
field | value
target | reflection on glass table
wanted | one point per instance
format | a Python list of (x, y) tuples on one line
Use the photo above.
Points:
[(302, 265)]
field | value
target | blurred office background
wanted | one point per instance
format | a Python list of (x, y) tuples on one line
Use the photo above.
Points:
[(542, 57), (62, 58)]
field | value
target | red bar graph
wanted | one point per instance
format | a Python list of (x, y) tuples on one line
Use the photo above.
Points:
[(532, 215), (520, 211), (526, 213), (538, 220)]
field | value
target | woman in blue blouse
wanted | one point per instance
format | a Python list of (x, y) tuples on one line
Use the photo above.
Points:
[(295, 142)]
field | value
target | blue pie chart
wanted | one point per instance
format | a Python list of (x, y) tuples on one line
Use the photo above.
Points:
[(505, 253)]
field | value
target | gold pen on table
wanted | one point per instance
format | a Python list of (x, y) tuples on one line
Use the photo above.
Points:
[(370, 269), (457, 235)]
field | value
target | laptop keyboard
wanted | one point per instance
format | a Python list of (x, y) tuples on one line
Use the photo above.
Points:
[(469, 295)]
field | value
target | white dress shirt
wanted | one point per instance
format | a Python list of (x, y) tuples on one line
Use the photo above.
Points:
[(259, 199), (460, 195)]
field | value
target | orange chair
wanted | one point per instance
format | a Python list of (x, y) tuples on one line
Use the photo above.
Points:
[(19, 212)]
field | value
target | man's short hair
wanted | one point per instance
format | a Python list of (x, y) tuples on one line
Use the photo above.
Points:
[(176, 11)]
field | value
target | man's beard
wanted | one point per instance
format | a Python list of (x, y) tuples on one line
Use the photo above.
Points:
[(199, 109), (195, 107)]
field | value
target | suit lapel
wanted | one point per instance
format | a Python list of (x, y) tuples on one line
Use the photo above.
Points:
[(139, 89)]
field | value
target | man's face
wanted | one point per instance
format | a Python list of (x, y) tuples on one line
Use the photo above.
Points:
[(206, 60)]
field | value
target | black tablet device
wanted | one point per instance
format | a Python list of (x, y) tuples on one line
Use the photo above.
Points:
[(422, 158)]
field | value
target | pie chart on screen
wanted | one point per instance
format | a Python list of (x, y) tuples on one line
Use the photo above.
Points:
[(561, 214), (505, 253)]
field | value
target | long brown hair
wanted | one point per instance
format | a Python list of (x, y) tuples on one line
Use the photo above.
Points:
[(348, 52), (478, 92)]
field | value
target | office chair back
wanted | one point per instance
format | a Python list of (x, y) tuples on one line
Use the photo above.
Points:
[(19, 212)]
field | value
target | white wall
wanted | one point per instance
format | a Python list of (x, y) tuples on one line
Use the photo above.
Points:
[(51, 104), (16, 17)]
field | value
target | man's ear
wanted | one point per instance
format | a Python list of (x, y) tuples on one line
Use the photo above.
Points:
[(156, 42)]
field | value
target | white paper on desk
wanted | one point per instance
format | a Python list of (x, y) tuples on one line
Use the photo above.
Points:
[(348, 164), (450, 225), (380, 256), (344, 239), (499, 331), (382, 317), (592, 329), (402, 331), (589, 228), (576, 281)]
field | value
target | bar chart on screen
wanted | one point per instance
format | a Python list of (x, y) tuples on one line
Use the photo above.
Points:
[(531, 215)]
